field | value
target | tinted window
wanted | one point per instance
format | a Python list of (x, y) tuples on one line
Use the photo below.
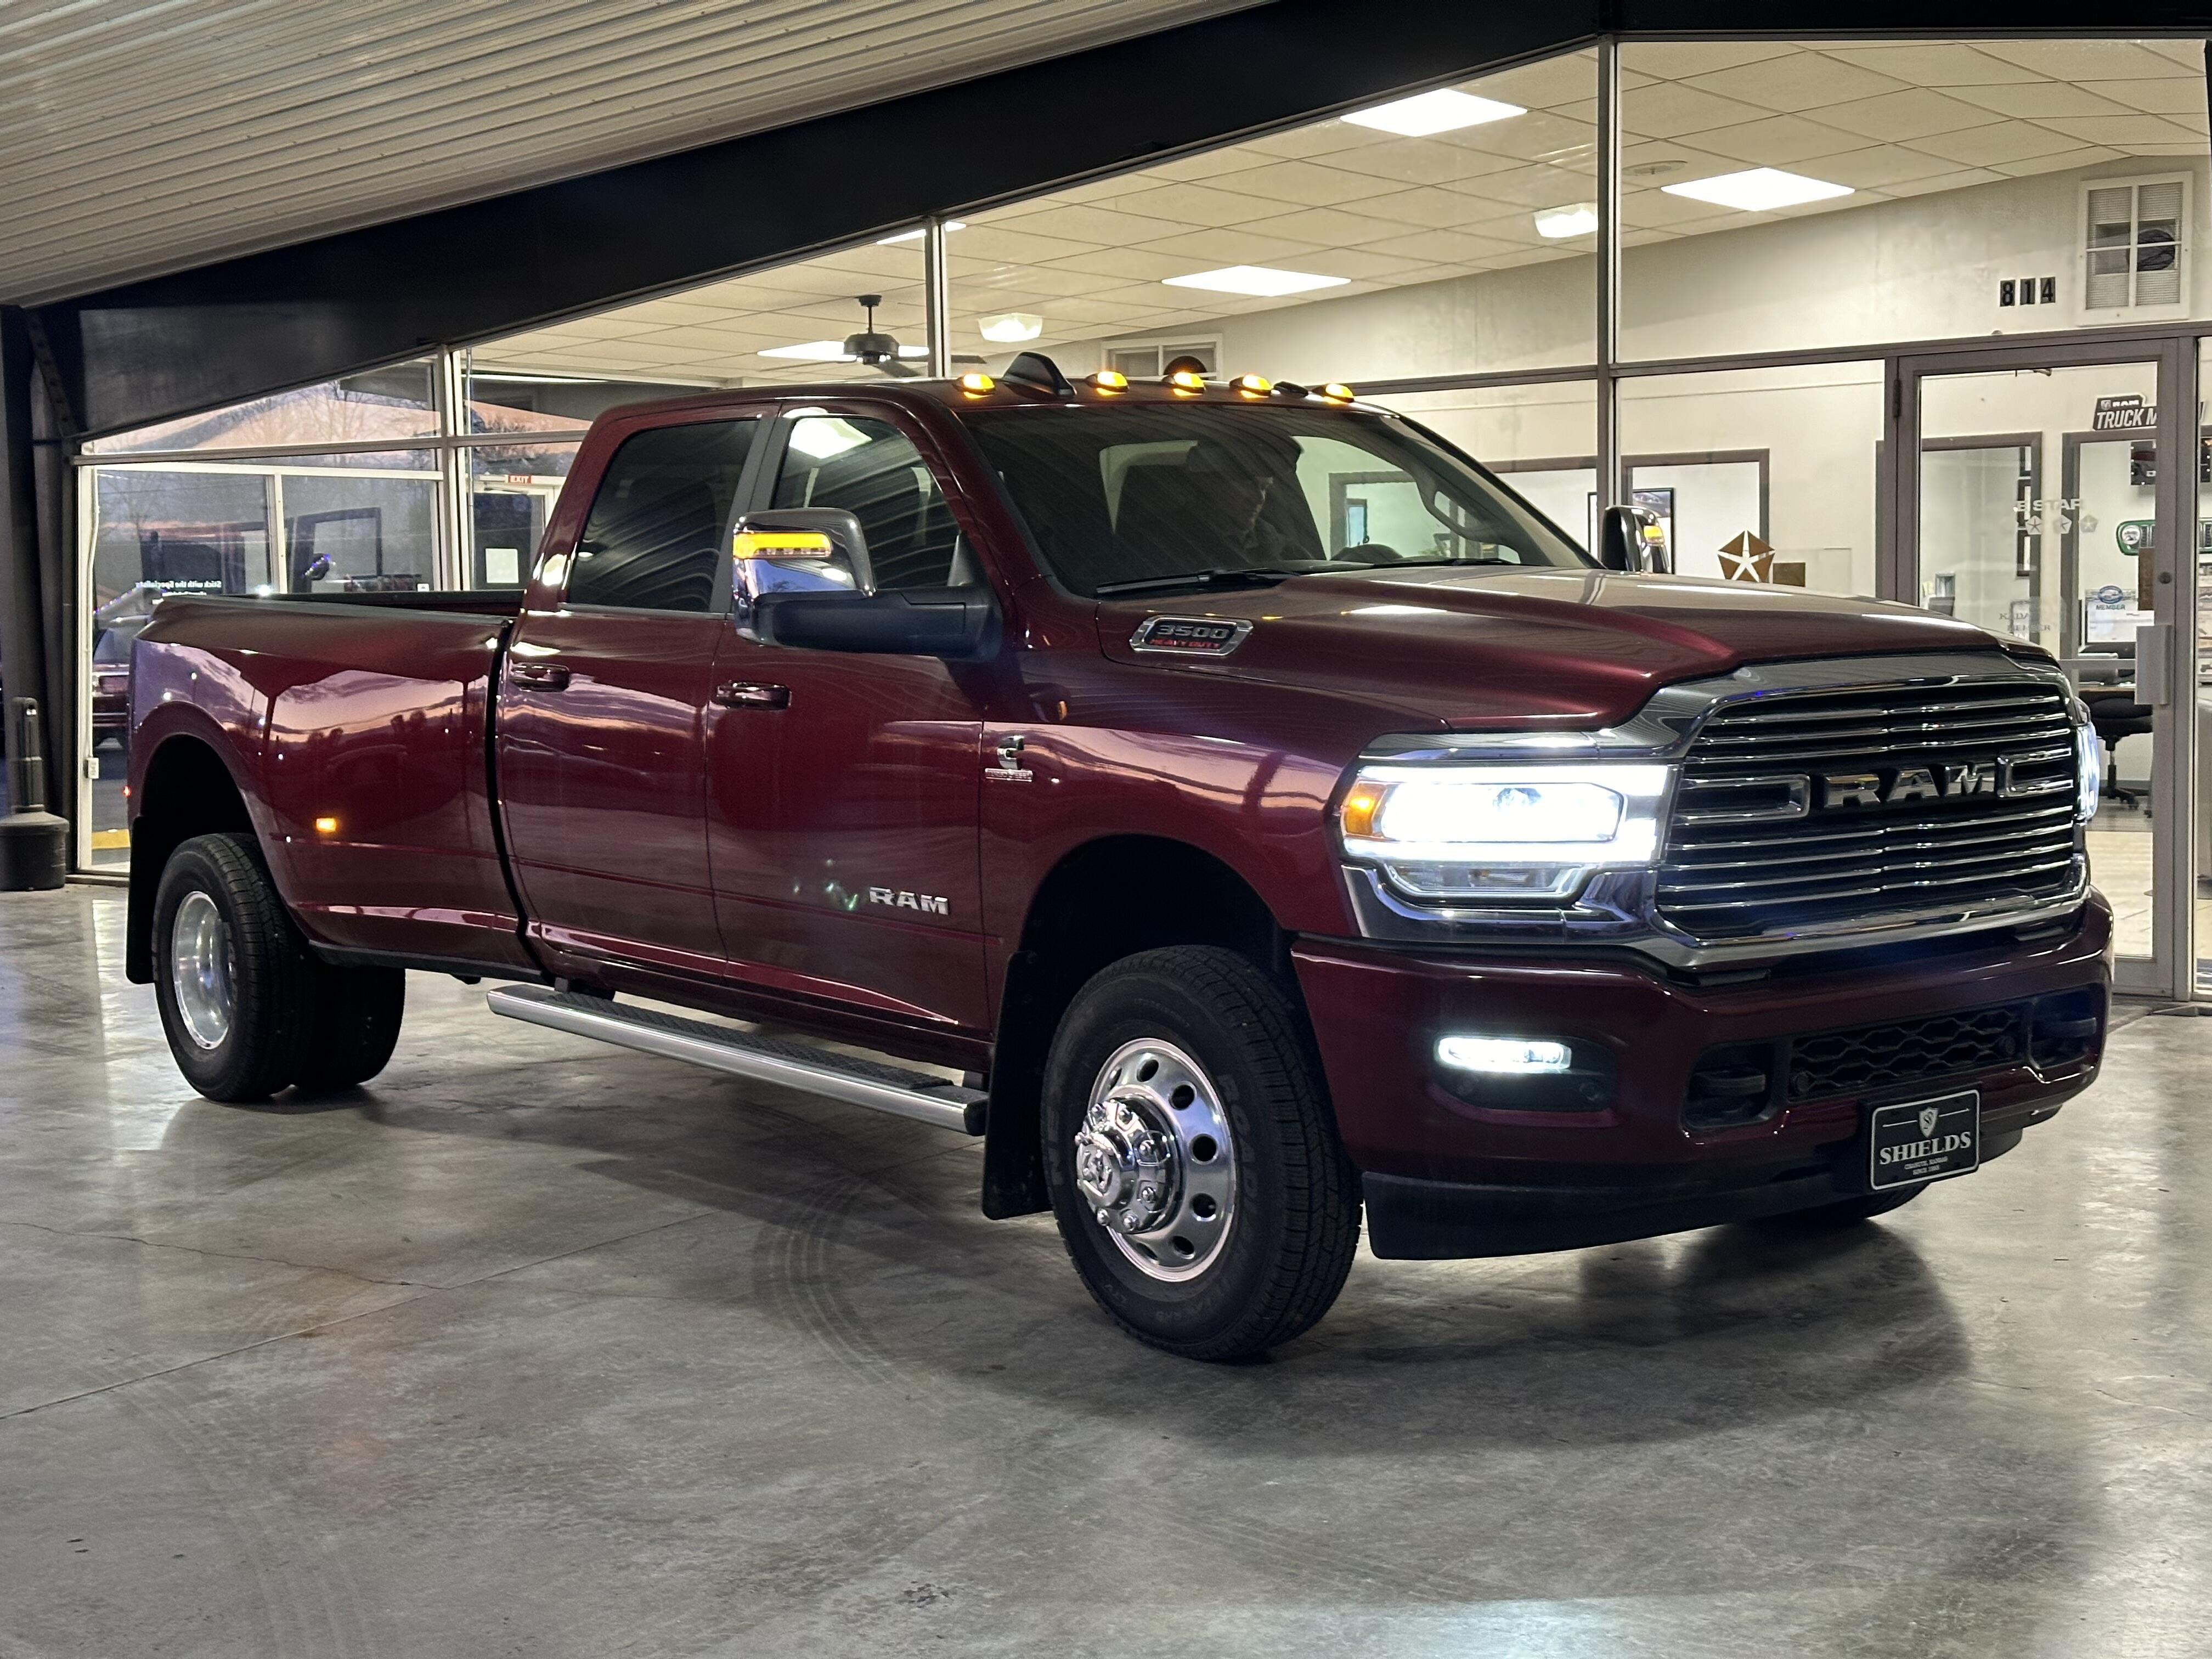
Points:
[(874, 473), (655, 538), (1139, 493)]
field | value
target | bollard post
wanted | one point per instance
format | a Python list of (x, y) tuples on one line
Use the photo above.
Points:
[(34, 842)]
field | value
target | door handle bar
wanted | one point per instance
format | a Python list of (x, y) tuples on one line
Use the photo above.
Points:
[(750, 694)]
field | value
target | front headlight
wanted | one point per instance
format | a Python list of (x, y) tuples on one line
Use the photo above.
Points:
[(1506, 830), (2089, 765)]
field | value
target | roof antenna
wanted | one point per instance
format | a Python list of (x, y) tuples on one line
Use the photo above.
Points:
[(1039, 373)]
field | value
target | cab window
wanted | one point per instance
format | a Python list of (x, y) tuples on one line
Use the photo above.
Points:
[(655, 537)]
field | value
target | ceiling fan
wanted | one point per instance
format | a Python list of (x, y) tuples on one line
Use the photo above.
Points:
[(883, 351)]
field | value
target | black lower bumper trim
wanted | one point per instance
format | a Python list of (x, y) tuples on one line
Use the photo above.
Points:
[(1412, 1220)]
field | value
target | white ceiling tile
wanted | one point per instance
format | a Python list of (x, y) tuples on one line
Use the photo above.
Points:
[(1536, 136), (2078, 157), (1800, 82), (1646, 208), (1329, 227), (1140, 265), (1419, 161), (2122, 131), (1535, 187), (1429, 209), (1452, 247), (2082, 60), (1942, 181), (1319, 138), (1899, 116), (1982, 147), (1008, 239), (1933, 64), (1308, 184), (1877, 167), (1079, 223), (2179, 96), (1201, 204), (1780, 140), (1667, 109), (1231, 246), (1677, 60), (1553, 82), (2037, 99)]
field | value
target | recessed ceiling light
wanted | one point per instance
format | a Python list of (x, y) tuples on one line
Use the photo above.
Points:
[(1757, 190), (814, 351), (1579, 219), (1425, 112), (919, 232), (1258, 280), (1012, 328)]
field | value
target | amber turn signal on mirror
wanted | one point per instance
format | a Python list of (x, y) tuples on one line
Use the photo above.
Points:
[(781, 544)]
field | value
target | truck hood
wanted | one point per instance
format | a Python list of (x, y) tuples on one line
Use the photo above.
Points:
[(1499, 648)]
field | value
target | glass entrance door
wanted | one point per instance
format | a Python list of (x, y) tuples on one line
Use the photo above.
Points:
[(2030, 501)]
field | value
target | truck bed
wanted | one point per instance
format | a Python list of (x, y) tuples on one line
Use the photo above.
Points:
[(357, 726)]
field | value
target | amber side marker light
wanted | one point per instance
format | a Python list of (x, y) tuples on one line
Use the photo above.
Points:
[(1337, 392), (1184, 380), (972, 381), (1357, 815), (327, 826), (1110, 379), (1255, 385)]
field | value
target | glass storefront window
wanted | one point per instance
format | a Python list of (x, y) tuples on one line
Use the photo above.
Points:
[(1539, 439), (1761, 475), (511, 490), (379, 405), (1781, 196), (795, 325), (1447, 232)]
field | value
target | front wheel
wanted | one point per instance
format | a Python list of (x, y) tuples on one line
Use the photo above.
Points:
[(1192, 1156), (235, 982)]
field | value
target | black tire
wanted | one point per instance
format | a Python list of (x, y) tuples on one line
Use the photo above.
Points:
[(1293, 1226), (358, 1012), (272, 977), (1850, 1212)]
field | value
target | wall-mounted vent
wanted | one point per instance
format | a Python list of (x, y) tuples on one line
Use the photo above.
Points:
[(2135, 243)]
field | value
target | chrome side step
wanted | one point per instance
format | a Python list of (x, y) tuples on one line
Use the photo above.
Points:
[(783, 1060)]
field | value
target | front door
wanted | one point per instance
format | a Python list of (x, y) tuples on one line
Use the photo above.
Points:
[(601, 751), (844, 786), (2031, 501)]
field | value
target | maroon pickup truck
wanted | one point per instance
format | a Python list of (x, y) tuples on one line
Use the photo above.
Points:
[(1228, 799)]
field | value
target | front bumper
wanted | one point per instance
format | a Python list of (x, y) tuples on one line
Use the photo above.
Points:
[(1445, 1176)]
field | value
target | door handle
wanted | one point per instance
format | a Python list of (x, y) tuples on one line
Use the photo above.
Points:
[(750, 694), (539, 676)]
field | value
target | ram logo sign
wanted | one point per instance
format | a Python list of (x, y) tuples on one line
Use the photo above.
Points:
[(927, 904)]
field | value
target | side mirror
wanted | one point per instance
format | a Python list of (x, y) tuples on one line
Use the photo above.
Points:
[(1633, 538), (959, 623), (799, 549)]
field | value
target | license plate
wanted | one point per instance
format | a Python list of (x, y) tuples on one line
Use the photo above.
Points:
[(1918, 1141)]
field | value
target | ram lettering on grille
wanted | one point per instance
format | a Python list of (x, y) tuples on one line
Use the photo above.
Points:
[(1824, 808)]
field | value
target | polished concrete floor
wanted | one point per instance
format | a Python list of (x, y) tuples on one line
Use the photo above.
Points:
[(532, 1348)]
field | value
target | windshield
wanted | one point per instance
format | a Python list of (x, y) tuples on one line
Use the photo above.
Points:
[(1140, 496)]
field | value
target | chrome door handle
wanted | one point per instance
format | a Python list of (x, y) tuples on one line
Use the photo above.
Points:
[(539, 676), (750, 694)]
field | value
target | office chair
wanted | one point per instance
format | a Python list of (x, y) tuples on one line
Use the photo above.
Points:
[(2115, 714)]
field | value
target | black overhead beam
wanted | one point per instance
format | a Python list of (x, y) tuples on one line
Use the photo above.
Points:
[(224, 331), (211, 336)]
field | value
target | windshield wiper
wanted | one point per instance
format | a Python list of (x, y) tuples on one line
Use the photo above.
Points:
[(1250, 574)]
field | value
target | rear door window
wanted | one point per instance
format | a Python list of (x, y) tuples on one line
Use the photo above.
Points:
[(653, 541)]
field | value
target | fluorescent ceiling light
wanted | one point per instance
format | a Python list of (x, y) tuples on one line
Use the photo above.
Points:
[(919, 232), (1012, 328), (1579, 219), (1258, 280), (1757, 190), (1425, 112)]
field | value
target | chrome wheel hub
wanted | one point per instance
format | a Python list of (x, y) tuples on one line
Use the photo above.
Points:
[(201, 971), (1154, 1162)]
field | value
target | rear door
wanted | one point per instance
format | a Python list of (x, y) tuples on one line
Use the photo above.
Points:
[(601, 759), (844, 786)]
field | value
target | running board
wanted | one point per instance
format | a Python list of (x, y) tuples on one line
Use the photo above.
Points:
[(782, 1060)]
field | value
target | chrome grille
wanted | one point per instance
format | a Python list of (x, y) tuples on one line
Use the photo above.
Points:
[(1771, 831)]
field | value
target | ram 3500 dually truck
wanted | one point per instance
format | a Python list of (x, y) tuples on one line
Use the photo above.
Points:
[(1244, 806)]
